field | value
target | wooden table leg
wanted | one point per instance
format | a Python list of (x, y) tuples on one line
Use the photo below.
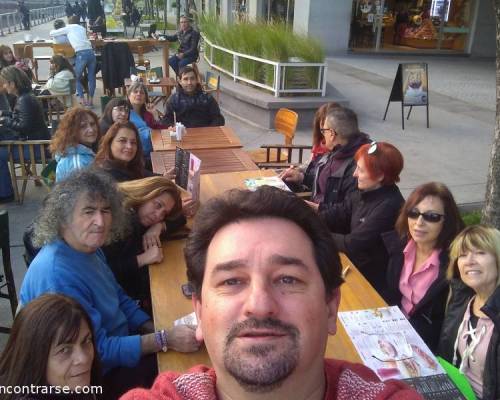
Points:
[(166, 72)]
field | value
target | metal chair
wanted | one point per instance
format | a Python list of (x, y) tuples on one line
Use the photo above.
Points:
[(7, 279)]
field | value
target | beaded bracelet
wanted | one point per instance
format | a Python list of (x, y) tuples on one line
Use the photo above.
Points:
[(161, 338)]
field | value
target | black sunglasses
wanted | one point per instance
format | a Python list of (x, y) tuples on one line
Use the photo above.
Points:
[(428, 216)]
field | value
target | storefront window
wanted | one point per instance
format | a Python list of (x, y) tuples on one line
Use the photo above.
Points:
[(411, 25), (240, 10), (279, 10)]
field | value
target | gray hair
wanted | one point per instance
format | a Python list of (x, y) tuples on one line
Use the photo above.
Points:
[(57, 208), (343, 121)]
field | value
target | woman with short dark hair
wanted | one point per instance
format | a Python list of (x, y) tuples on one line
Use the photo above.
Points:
[(359, 221), (418, 257), (117, 110), (51, 345)]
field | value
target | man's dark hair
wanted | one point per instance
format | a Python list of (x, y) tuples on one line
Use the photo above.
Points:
[(236, 205), (59, 23)]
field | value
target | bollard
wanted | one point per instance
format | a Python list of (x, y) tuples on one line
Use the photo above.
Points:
[(1, 26)]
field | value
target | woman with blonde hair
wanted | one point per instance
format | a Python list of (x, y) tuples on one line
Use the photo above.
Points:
[(75, 141), (154, 208), (470, 337)]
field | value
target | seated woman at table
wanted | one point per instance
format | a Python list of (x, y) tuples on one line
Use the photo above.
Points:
[(117, 110), (25, 121), (359, 221), (60, 76), (471, 327), (190, 105), (418, 257), (143, 115), (7, 58), (75, 141), (51, 344), (120, 153), (154, 208)]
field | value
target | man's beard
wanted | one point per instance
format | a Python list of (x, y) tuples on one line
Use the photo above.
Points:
[(262, 367)]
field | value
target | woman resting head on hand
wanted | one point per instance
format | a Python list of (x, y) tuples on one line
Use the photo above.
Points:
[(51, 344)]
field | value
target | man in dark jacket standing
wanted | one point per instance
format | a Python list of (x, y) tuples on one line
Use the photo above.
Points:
[(25, 15), (330, 179), (188, 45), (95, 10)]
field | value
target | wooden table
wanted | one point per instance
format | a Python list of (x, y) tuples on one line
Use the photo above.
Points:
[(210, 137), (212, 160), (170, 304), (164, 83), (136, 46)]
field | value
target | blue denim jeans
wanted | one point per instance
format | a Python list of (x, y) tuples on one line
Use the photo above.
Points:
[(177, 63), (85, 59)]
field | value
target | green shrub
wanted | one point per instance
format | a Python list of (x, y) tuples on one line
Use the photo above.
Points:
[(272, 41), (472, 218)]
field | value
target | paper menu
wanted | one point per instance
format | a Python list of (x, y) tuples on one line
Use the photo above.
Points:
[(187, 172), (388, 344), (254, 183)]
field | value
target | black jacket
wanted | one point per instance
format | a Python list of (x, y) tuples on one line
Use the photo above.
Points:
[(120, 173), (428, 314), (122, 258), (342, 181), (27, 118), (460, 297), (117, 63), (194, 111), (188, 42), (357, 225)]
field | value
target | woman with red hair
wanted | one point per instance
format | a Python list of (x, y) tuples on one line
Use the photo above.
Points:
[(359, 221)]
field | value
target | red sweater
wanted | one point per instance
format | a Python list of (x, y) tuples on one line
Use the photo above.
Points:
[(344, 381), (151, 122)]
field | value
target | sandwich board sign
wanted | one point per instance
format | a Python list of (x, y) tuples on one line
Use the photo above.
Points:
[(411, 88)]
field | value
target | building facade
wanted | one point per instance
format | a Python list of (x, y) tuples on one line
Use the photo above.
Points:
[(385, 26)]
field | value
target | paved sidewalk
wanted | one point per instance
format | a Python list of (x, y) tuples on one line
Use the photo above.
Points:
[(455, 150)]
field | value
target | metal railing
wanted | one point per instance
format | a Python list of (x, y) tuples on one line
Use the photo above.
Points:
[(11, 22), (278, 77)]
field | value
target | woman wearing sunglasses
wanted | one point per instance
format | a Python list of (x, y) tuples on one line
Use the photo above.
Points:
[(470, 337), (359, 221), (418, 257)]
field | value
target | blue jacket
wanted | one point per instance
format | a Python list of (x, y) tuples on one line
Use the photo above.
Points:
[(76, 157), (58, 268), (144, 133)]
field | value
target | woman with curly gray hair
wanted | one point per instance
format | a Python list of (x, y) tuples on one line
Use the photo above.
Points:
[(80, 215)]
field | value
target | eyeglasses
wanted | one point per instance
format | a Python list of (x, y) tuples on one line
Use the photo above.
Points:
[(121, 109), (373, 148), (323, 130), (428, 216)]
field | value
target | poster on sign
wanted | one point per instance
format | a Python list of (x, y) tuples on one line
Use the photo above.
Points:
[(415, 85)]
